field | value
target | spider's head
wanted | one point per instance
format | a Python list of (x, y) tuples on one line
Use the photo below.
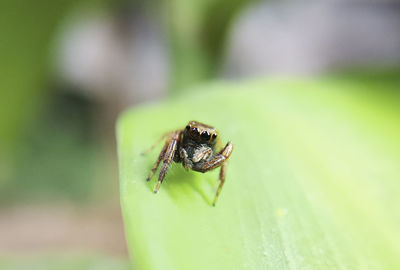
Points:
[(200, 132)]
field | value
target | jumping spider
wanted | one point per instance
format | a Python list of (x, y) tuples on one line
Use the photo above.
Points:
[(196, 148)]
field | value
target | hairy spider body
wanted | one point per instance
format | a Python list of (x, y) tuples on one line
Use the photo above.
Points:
[(196, 148)]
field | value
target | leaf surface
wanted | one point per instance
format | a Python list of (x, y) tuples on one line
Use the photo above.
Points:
[(313, 182)]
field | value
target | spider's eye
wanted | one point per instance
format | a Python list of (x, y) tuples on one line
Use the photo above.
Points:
[(214, 136), (195, 130), (187, 127), (205, 135)]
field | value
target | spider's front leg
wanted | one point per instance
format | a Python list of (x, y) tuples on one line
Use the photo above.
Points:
[(166, 155), (219, 160)]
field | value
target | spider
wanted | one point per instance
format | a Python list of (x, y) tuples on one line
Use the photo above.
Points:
[(195, 147)]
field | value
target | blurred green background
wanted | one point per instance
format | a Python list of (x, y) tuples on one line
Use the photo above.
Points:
[(69, 67)]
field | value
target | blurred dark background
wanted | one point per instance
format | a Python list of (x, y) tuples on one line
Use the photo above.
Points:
[(69, 67)]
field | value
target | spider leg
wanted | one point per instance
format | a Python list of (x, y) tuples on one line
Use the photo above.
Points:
[(145, 152), (219, 160), (170, 146), (222, 174), (155, 166)]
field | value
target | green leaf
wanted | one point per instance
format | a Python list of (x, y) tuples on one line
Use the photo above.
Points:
[(313, 182)]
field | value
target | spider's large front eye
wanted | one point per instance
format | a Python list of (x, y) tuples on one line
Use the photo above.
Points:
[(205, 135)]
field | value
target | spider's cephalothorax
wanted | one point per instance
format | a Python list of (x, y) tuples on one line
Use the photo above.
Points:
[(195, 147)]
